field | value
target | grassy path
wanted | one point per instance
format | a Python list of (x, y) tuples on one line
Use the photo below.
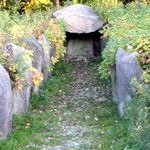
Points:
[(73, 111)]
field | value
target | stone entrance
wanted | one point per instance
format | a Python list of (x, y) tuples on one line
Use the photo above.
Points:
[(83, 45), (81, 25)]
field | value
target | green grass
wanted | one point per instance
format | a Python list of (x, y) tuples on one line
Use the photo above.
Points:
[(100, 121), (30, 127)]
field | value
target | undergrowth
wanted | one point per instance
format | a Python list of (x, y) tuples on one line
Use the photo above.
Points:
[(42, 115), (127, 29), (46, 115), (105, 128)]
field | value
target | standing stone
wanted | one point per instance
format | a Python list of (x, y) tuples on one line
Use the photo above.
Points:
[(113, 83), (20, 97), (47, 49), (38, 56), (5, 104), (127, 68), (80, 48)]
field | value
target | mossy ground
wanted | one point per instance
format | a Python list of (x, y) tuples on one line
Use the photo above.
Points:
[(73, 111)]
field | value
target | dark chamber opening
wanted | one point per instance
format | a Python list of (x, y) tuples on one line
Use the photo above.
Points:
[(95, 36)]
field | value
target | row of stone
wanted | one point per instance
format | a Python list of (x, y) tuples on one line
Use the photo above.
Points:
[(13, 100)]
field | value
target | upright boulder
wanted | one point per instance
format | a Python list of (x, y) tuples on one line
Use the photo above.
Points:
[(47, 51), (34, 45), (38, 56), (127, 68), (20, 97), (5, 104)]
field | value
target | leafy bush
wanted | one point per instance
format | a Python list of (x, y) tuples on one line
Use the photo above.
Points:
[(33, 5), (17, 63), (14, 27), (127, 28), (138, 118), (57, 36), (133, 131), (25, 5)]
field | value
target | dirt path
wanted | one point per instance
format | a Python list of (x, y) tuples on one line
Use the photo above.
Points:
[(73, 111), (84, 95)]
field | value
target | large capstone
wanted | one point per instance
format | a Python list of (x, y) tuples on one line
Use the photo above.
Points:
[(79, 19)]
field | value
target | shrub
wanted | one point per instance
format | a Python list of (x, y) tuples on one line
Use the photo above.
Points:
[(138, 118), (127, 28), (15, 27), (34, 5), (132, 132)]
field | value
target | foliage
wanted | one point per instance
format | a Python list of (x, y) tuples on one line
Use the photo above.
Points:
[(138, 116), (103, 4), (15, 27), (57, 36), (33, 5), (2, 3), (127, 28), (25, 5), (38, 124), (17, 63), (37, 77), (133, 131)]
